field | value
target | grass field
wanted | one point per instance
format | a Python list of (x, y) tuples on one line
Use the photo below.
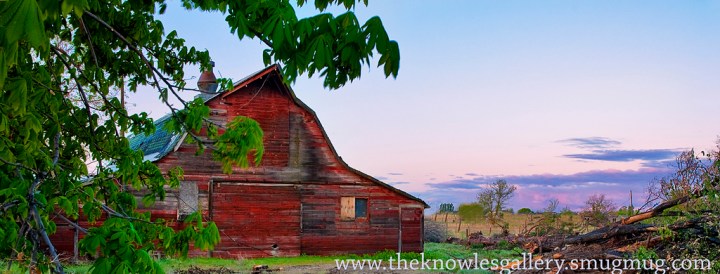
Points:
[(317, 264), (456, 228), (518, 223)]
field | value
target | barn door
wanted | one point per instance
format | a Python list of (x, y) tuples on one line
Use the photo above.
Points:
[(256, 219), (411, 227)]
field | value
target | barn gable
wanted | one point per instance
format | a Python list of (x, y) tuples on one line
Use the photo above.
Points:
[(280, 151)]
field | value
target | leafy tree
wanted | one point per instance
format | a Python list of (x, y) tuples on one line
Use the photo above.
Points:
[(60, 63), (496, 196), (525, 210), (446, 207), (472, 212)]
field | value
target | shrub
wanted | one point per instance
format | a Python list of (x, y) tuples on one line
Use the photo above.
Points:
[(525, 210), (435, 232), (504, 245), (644, 253), (472, 212)]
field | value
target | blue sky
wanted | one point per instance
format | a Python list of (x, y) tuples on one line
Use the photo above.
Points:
[(563, 98)]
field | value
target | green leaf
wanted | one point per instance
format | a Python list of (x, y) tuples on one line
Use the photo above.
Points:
[(66, 205), (18, 95), (3, 68), (266, 57), (3, 123), (78, 6), (242, 137), (33, 123), (393, 65), (22, 20), (148, 200), (101, 266)]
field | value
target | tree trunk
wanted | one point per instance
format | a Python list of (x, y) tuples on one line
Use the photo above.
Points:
[(655, 211)]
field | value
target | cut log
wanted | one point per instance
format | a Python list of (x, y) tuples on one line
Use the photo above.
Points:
[(656, 210)]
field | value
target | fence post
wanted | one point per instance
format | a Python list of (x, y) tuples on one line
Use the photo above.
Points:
[(75, 245)]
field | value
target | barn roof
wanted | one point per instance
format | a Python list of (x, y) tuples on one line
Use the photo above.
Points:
[(158, 144), (161, 142)]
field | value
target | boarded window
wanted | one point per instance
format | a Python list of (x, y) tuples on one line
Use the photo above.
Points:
[(351, 208), (347, 208), (187, 199)]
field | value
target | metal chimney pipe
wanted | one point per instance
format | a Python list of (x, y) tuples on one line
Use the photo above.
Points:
[(207, 81)]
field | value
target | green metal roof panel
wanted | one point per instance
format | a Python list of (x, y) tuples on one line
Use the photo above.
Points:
[(157, 144)]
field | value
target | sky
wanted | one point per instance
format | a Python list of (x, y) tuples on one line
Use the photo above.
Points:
[(564, 99)]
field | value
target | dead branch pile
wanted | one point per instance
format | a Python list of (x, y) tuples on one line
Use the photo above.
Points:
[(621, 239)]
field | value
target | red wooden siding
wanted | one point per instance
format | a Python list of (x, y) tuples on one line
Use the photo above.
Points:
[(252, 218), (292, 199)]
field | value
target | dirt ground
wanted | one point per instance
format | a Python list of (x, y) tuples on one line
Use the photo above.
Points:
[(301, 269), (332, 269)]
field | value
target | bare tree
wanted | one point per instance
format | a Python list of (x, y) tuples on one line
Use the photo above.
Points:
[(598, 210), (552, 205), (689, 176)]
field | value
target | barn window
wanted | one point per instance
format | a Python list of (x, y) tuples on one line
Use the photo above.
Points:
[(352, 208), (187, 199), (360, 208)]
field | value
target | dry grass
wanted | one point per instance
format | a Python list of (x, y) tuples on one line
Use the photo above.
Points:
[(518, 223)]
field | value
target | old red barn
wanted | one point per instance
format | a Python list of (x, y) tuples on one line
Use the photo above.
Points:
[(302, 199)]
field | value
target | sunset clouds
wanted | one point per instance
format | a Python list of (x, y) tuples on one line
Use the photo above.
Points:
[(534, 190), (570, 189)]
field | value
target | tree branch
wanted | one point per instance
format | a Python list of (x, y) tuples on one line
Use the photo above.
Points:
[(78, 227), (9, 205), (56, 148), (17, 165), (142, 56), (46, 239), (92, 48), (100, 93), (79, 86), (259, 36), (154, 72)]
